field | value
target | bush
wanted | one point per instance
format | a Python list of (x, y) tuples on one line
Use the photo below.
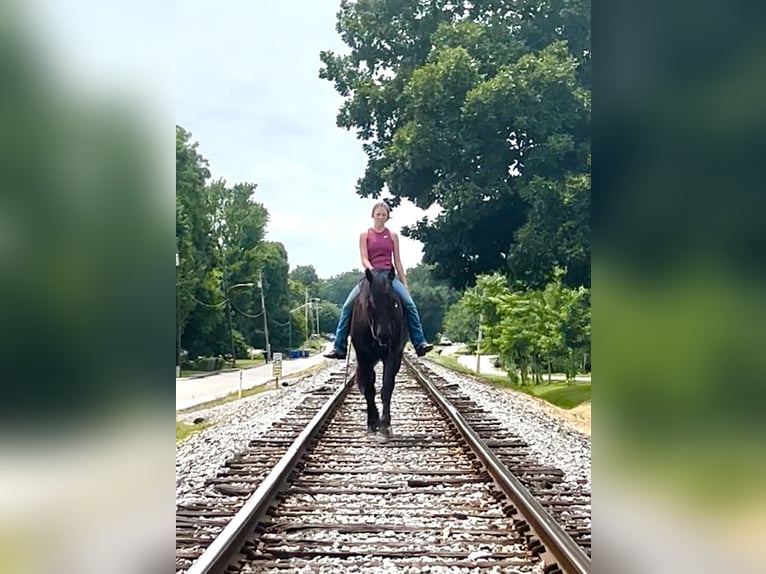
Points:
[(241, 346), (207, 364)]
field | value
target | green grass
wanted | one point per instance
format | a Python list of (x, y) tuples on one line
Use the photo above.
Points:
[(241, 364), (248, 363), (564, 395), (561, 394), (185, 430), (185, 373), (314, 345)]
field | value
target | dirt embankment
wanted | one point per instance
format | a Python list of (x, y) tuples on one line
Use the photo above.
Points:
[(578, 417)]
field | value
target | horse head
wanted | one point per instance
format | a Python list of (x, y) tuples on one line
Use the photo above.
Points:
[(384, 306), (378, 332)]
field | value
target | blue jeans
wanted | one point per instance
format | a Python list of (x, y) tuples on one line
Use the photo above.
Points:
[(410, 312)]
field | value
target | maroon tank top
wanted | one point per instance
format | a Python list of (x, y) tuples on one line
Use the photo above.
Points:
[(380, 248)]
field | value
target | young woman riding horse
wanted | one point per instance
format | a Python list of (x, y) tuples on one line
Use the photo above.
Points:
[(379, 249)]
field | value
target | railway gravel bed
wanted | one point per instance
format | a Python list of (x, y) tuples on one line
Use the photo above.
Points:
[(219, 467), (394, 507), (419, 502)]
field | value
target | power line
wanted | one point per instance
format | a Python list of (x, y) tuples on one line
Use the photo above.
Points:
[(222, 303), (250, 315)]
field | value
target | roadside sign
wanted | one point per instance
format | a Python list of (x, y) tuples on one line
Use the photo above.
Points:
[(276, 366)]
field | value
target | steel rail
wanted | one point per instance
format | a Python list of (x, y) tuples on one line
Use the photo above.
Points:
[(569, 556), (228, 543)]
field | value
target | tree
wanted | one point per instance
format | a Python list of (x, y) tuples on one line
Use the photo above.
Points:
[(432, 298), (336, 288), (195, 256), (329, 313), (239, 224), (531, 329), (307, 275), (219, 235), (484, 109), (276, 295), (461, 323)]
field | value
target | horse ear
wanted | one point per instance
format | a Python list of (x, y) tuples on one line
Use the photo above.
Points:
[(368, 274), (391, 274)]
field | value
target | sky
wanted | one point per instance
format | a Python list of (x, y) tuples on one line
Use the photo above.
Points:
[(248, 90)]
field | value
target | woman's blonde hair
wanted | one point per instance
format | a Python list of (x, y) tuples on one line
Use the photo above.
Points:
[(382, 204)]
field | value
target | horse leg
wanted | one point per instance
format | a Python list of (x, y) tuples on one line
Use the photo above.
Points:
[(365, 376), (390, 369)]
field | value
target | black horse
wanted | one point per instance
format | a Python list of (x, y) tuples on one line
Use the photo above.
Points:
[(378, 333)]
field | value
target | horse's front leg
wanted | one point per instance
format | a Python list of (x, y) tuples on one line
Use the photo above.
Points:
[(390, 369), (365, 377)]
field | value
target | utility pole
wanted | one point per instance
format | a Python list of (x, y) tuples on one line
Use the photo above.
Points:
[(478, 344), (265, 322), (178, 320), (228, 315), (316, 312), (307, 314)]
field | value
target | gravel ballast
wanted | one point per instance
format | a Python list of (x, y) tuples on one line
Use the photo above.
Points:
[(199, 457)]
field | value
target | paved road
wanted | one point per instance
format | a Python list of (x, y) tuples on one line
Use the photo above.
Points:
[(486, 367), (191, 392)]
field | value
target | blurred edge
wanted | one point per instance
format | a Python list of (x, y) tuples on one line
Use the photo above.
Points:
[(679, 307), (87, 290)]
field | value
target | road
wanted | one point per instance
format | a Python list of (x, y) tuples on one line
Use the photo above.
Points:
[(486, 366), (191, 392)]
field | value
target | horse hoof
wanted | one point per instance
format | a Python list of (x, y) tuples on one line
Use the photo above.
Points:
[(385, 434)]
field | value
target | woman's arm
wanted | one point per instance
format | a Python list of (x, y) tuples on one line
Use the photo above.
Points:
[(398, 262), (363, 251)]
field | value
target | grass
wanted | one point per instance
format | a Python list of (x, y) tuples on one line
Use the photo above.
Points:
[(185, 430), (561, 394), (248, 363), (241, 364), (564, 395), (185, 373)]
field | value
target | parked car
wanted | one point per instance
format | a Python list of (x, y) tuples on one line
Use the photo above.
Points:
[(445, 341)]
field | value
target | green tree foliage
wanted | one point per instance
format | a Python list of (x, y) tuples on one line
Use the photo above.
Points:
[(306, 275), (484, 109), (329, 313), (297, 293), (432, 297), (220, 237), (336, 288), (239, 225), (532, 330), (460, 322), (277, 297), (193, 226)]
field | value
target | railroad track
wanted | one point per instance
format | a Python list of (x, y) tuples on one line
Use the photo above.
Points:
[(434, 498)]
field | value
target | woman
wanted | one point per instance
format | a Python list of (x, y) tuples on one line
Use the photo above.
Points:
[(378, 246)]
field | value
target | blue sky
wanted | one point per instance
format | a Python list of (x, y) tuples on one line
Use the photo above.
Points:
[(248, 89)]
